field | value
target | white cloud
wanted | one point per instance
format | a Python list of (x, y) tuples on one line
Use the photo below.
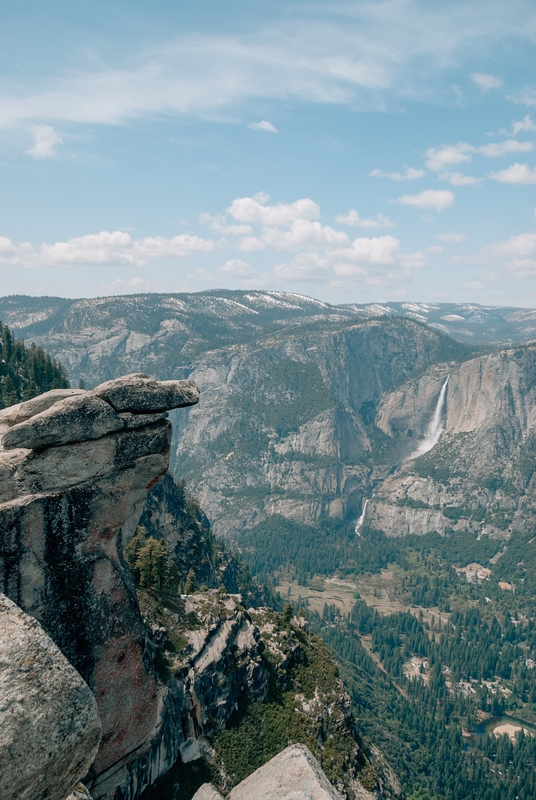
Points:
[(219, 224), (496, 149), (436, 248), (517, 173), (263, 125), (459, 179), (517, 254), (104, 248), (527, 97), (451, 237), (237, 268), (45, 142), (353, 218), (430, 198), (355, 54), (369, 250), (438, 158), (410, 174), (256, 210), (485, 81), (522, 126), (304, 234)]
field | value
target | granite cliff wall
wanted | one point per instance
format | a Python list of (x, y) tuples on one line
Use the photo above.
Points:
[(75, 468), (480, 475)]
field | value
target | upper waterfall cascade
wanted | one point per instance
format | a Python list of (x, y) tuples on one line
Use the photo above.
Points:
[(435, 426), (361, 519)]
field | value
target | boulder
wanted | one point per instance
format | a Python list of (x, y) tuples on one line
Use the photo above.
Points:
[(49, 722), (207, 792), (294, 774), (74, 419), (80, 793), (141, 394)]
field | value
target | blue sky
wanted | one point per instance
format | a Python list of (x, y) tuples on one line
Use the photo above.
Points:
[(353, 151)]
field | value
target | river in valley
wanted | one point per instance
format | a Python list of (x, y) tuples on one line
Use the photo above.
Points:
[(505, 724)]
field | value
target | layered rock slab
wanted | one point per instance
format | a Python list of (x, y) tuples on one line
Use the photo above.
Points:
[(49, 722), (74, 477)]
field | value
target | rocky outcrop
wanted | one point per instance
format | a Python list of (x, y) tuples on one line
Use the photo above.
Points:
[(74, 476), (294, 774), (49, 723)]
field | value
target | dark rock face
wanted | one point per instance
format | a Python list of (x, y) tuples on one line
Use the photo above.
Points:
[(189, 538), (66, 509)]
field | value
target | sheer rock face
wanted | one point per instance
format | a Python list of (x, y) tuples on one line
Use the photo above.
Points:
[(483, 460), (294, 774), (74, 476), (50, 728)]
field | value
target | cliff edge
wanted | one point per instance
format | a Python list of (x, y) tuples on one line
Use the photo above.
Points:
[(75, 468)]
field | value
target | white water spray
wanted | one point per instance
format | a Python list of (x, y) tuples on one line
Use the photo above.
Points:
[(435, 426), (361, 519)]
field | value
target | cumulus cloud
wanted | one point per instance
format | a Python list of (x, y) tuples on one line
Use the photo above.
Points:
[(430, 198), (451, 237), (321, 252), (303, 233), (353, 219), (263, 125), (496, 149), (256, 210), (409, 174), (517, 254), (375, 260), (45, 142), (527, 97), (219, 224), (459, 179), (438, 158), (485, 81), (516, 173), (102, 249), (237, 268), (524, 125)]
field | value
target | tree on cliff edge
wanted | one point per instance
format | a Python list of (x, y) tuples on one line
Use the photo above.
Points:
[(26, 372)]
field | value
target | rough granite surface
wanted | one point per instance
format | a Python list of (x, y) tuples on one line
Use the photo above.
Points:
[(49, 723), (74, 476), (294, 774)]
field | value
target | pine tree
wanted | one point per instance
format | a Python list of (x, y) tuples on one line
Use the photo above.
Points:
[(152, 563), (26, 372), (9, 392)]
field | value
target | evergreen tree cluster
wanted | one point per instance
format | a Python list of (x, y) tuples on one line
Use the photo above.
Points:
[(423, 724), (26, 372), (151, 563)]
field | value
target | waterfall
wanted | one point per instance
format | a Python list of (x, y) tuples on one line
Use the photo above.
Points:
[(435, 426), (361, 519)]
